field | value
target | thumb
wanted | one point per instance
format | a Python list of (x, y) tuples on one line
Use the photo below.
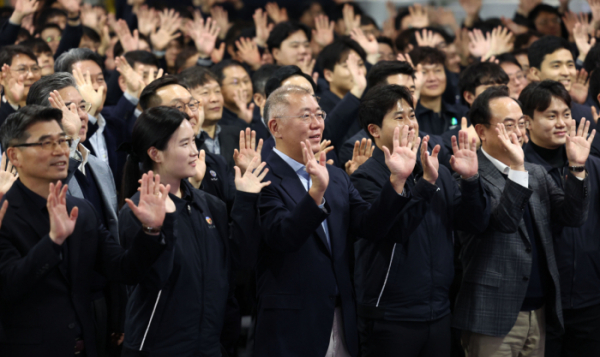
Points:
[(386, 152), (202, 155), (101, 91), (238, 173)]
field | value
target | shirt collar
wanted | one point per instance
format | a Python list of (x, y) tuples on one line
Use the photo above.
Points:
[(504, 169), (295, 165), (99, 119)]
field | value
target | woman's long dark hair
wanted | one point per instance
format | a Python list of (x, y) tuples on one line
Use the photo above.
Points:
[(153, 128)]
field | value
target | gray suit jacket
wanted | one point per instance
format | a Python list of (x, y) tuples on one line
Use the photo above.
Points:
[(497, 263), (106, 184)]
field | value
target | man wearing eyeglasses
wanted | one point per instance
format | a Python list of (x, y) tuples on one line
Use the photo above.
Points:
[(20, 70), (52, 244), (306, 303)]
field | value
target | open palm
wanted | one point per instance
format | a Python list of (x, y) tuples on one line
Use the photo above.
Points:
[(403, 158), (464, 160), (151, 208)]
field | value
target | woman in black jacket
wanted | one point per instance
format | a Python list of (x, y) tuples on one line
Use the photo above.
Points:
[(178, 309)]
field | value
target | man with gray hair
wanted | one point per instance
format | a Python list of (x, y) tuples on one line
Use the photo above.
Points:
[(92, 180), (306, 304), (107, 126)]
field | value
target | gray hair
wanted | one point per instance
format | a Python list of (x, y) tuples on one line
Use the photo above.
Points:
[(65, 62), (40, 90), (278, 101)]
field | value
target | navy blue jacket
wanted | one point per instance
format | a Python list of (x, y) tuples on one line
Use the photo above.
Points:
[(178, 309), (406, 274), (577, 249), (298, 279), (449, 118)]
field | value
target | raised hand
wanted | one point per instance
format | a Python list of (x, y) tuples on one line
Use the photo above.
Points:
[(479, 44), (317, 171), (245, 111), (325, 147), (134, 81), (169, 24), (595, 9), (8, 176), (23, 8), (471, 132), (147, 20), (578, 143), (525, 6), (89, 17), (308, 65), (323, 32), (401, 161), (248, 150), (72, 7), (464, 160), (369, 44), (444, 17), (128, 41), (579, 88), (472, 8), (71, 122), (263, 29), (221, 20), (363, 150), (217, 54), (350, 20), (14, 86), (513, 26), (425, 38), (61, 223), (582, 40), (359, 78), (275, 13), (430, 162), (251, 181), (151, 208), (204, 34), (595, 114), (501, 41), (248, 52), (87, 91), (513, 147), (419, 17), (196, 180)]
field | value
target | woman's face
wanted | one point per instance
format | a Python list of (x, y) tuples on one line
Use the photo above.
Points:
[(178, 160)]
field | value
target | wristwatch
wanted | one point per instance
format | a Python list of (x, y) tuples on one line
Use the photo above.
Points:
[(577, 168), (151, 230)]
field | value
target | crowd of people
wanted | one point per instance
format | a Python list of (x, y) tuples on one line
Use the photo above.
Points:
[(232, 178)]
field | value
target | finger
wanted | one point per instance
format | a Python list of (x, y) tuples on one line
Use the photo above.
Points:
[(591, 137), (356, 150), (3, 209), (242, 142), (436, 150), (156, 184), (238, 173), (363, 146), (304, 153), (252, 138), (74, 214), (323, 159), (454, 144)]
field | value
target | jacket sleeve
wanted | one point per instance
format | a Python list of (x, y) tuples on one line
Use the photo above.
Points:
[(507, 210), (5, 110), (244, 230), (71, 37), (143, 250), (9, 34), (471, 209), (340, 118), (569, 208), (286, 230), (20, 274)]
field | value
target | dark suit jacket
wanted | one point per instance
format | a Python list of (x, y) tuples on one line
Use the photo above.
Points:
[(45, 300), (497, 262), (297, 276), (229, 140)]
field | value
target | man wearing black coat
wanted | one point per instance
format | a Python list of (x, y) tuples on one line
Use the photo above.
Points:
[(403, 279), (48, 255)]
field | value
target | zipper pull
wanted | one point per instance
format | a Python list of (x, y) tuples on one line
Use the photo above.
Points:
[(189, 209)]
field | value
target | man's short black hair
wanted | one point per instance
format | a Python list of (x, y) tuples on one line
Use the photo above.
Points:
[(480, 112), (379, 101), (196, 76), (186, 53), (366, 20), (91, 34), (283, 30), (388, 41), (149, 98), (427, 55), (480, 74), (261, 76), (14, 129), (592, 60), (546, 45), (522, 40), (7, 53), (283, 73), (508, 58), (402, 13), (533, 14), (537, 96), (337, 51), (143, 57), (219, 69), (47, 13), (594, 89), (36, 45), (403, 39), (382, 70)]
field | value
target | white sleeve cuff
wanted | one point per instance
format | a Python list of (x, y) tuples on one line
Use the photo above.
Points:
[(520, 177)]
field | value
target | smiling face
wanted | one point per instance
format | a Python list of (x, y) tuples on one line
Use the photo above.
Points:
[(340, 79), (399, 116), (52, 37), (290, 129), (293, 50), (548, 23), (46, 61), (558, 66), (71, 95), (179, 97), (435, 80), (37, 165), (549, 128), (28, 67), (236, 78), (504, 110), (178, 160), (212, 100)]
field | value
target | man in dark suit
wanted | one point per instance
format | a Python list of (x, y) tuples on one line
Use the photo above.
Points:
[(50, 248), (547, 107), (306, 304), (510, 289)]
